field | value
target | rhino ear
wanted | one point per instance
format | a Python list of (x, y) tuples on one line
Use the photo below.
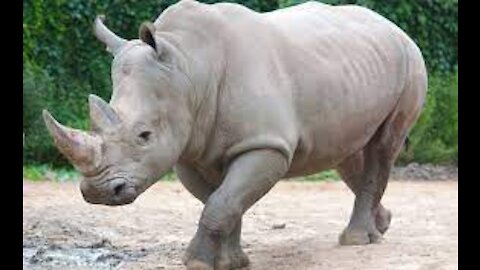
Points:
[(165, 51), (146, 34)]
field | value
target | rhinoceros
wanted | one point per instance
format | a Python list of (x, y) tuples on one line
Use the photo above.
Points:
[(235, 100)]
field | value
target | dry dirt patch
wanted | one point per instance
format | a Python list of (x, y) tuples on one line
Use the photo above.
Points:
[(61, 231)]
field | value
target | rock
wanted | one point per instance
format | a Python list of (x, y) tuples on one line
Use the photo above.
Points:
[(415, 171), (278, 226)]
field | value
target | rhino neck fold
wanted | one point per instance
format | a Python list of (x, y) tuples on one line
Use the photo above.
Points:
[(199, 44), (203, 101)]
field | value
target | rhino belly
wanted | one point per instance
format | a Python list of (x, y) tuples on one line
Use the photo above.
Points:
[(325, 150), (329, 134)]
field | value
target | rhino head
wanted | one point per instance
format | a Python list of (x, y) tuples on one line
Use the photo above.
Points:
[(141, 133)]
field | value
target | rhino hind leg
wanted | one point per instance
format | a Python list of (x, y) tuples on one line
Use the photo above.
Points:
[(231, 255), (351, 171), (367, 173), (368, 188)]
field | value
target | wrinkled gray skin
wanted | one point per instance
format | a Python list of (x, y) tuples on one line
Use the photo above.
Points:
[(236, 100)]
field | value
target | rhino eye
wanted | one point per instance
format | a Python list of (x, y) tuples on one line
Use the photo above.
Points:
[(145, 136)]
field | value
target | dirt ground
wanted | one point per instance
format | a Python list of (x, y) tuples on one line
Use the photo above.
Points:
[(61, 231)]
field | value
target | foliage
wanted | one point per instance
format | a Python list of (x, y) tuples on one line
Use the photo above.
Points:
[(63, 62), (40, 91), (330, 175), (434, 138), (45, 172)]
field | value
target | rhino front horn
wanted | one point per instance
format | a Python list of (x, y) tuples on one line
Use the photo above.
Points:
[(82, 149), (105, 35)]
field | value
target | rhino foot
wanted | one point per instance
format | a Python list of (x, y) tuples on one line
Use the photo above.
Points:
[(230, 256), (197, 257), (357, 236), (383, 219), (198, 265), (193, 263), (232, 259)]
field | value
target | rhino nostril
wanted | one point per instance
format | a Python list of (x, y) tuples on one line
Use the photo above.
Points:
[(118, 188)]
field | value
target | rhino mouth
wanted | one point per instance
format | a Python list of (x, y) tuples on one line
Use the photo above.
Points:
[(113, 191)]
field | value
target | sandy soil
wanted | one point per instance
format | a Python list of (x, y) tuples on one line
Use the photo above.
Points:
[(61, 231)]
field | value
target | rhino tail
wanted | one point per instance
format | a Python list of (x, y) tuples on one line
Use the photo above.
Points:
[(407, 143)]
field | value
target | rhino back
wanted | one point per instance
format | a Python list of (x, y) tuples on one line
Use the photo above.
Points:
[(313, 81), (348, 67)]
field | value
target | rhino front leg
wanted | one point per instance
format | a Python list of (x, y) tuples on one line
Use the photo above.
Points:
[(231, 254), (249, 177), (194, 182)]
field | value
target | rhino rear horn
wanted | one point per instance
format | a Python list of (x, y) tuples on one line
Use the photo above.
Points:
[(82, 149), (105, 35), (102, 115)]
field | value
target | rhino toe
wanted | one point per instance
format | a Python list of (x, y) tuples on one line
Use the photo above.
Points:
[(198, 265), (233, 260), (351, 237), (383, 219)]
